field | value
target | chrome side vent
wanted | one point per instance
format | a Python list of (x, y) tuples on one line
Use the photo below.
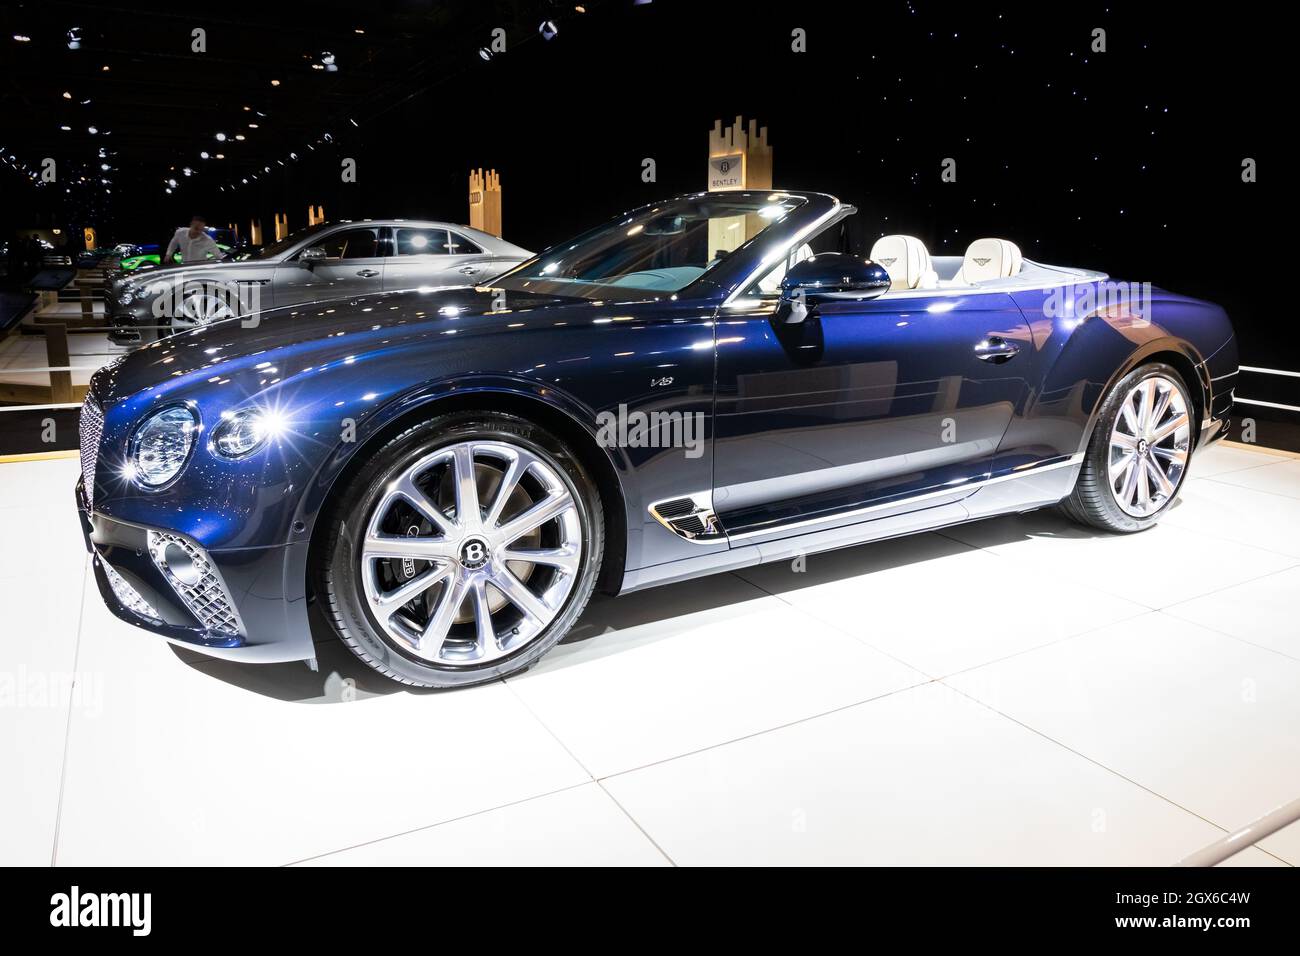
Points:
[(690, 517)]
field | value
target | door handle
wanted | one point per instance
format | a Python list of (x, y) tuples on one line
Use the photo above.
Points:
[(468, 270), (996, 349), (368, 273)]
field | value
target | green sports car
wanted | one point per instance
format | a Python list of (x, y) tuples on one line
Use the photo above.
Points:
[(131, 263)]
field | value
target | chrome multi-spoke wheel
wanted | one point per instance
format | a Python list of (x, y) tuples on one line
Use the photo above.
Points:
[(1137, 455), (199, 308), (471, 552), (462, 551), (1149, 445)]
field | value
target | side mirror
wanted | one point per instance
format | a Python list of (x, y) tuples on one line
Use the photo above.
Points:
[(830, 277), (312, 256)]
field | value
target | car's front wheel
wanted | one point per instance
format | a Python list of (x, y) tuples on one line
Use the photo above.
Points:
[(462, 551), (1137, 457)]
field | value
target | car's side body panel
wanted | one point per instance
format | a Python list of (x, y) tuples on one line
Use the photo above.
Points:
[(861, 404)]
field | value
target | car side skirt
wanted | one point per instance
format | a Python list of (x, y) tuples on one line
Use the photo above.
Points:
[(1037, 487)]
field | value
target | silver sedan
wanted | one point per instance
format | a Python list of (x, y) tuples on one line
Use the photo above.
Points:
[(324, 262)]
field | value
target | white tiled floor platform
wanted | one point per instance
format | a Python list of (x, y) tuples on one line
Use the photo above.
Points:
[(1016, 691)]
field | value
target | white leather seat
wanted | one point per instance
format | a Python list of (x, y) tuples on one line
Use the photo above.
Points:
[(987, 259), (906, 260)]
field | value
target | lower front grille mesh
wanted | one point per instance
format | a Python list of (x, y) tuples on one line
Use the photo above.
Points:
[(196, 581)]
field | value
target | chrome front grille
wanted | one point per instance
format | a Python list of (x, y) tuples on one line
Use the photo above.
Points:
[(91, 429), (196, 581)]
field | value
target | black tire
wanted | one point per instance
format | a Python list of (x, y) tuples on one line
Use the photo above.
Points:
[(1092, 502), (336, 571)]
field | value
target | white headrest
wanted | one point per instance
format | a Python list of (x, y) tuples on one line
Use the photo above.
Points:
[(990, 259), (906, 260)]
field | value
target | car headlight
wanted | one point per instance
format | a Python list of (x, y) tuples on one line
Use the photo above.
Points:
[(162, 444), (242, 433)]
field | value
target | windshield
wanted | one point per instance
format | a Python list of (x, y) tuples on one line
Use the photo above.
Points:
[(274, 249), (662, 249)]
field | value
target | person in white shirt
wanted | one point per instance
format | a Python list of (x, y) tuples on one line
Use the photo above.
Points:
[(194, 243)]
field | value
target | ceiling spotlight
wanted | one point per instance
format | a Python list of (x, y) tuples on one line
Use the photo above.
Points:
[(579, 9), (252, 126), (352, 121), (485, 53), (171, 183), (203, 155), (548, 29), (187, 171), (329, 137), (67, 95), (65, 128), (168, 191), (327, 58), (293, 155), (317, 66), (221, 137), (105, 167), (91, 130), (221, 155), (105, 68), (243, 180), (275, 82), (247, 109), (85, 102), (22, 38), (74, 38), (239, 136)]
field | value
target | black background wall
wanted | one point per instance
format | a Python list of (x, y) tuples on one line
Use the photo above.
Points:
[(1128, 160)]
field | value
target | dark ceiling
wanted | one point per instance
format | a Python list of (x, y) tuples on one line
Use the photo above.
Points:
[(155, 104)]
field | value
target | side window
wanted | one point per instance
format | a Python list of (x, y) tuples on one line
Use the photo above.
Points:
[(458, 245), (421, 242), (351, 244)]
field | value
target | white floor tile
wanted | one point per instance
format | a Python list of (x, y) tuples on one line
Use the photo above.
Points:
[(39, 528), (940, 608), (1162, 566), (1205, 720), (578, 827), (1222, 459), (922, 777), (1265, 611), (1282, 478), (266, 765), (39, 684), (1257, 518), (687, 666)]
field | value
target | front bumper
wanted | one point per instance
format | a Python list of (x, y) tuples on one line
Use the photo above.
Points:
[(241, 604)]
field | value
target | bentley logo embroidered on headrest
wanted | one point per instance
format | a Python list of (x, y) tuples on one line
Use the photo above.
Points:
[(889, 262), (984, 262)]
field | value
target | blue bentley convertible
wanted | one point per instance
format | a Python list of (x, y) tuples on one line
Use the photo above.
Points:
[(451, 472)]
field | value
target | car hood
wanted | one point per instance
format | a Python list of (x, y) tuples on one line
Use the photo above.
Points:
[(309, 336)]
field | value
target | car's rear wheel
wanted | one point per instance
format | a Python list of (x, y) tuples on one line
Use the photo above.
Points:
[(462, 551), (1137, 457)]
